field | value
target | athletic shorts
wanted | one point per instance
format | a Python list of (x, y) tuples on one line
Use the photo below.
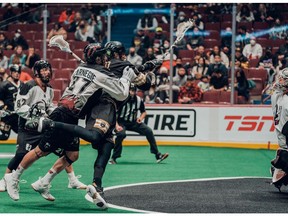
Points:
[(102, 118), (12, 121), (57, 138)]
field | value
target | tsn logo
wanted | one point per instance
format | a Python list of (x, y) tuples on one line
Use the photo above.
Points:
[(249, 123)]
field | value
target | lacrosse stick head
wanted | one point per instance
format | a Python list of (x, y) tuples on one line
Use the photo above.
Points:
[(182, 28), (58, 41)]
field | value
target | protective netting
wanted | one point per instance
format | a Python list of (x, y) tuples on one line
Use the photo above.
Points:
[(58, 41)]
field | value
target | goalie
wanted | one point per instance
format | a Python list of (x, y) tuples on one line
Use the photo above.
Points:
[(279, 101)]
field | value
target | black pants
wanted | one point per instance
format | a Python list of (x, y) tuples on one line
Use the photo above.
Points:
[(142, 129)]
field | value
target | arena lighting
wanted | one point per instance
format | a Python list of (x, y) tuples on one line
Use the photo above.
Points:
[(118, 11)]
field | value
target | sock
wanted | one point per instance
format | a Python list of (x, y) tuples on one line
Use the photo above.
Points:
[(49, 176), (18, 172), (71, 175)]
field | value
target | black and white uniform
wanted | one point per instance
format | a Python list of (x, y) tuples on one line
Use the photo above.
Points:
[(82, 94), (279, 102), (8, 93), (29, 94), (127, 119)]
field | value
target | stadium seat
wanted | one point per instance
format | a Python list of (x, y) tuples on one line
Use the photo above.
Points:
[(34, 27), (248, 25), (225, 97), (59, 83), (211, 97), (264, 42), (260, 25), (213, 34), (58, 54), (57, 95), (64, 73), (165, 26), (210, 43), (226, 17), (29, 35), (212, 26), (186, 55), (78, 45), (258, 73), (277, 42), (253, 63), (226, 24), (14, 27)]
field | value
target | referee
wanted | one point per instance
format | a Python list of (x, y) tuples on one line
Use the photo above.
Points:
[(128, 120)]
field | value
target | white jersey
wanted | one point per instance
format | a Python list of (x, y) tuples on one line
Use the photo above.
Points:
[(280, 113), (87, 81), (29, 94)]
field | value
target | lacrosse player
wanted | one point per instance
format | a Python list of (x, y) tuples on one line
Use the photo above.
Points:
[(84, 89), (8, 92), (279, 101), (35, 98)]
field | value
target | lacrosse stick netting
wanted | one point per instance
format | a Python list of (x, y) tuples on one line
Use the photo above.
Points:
[(58, 41), (180, 33)]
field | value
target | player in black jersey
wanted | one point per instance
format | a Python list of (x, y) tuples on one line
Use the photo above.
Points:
[(85, 88), (35, 97), (8, 92), (102, 119)]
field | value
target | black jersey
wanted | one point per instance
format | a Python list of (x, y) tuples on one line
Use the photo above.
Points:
[(8, 93)]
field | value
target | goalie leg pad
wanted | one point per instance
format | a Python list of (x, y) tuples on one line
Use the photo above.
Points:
[(281, 160)]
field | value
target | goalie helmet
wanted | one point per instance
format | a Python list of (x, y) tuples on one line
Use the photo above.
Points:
[(114, 47), (282, 80), (92, 52), (38, 66)]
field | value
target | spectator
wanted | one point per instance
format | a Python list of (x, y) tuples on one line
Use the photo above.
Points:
[(178, 65), (85, 32), (200, 69), (277, 31), (96, 22), (19, 39), (18, 56), (204, 83), (3, 60), (218, 81), (133, 57), (37, 16), (66, 17), (165, 49), (162, 86), (57, 30), (180, 18), (24, 76), (245, 14), (32, 58), (4, 42), (141, 37), (147, 22), (212, 11), (73, 26), (3, 74), (244, 63), (158, 38), (253, 50), (268, 62), (198, 23), (85, 12), (226, 8), (217, 67), (226, 38), (261, 13), (241, 85), (180, 78), (216, 51), (243, 37), (150, 55), (283, 50), (190, 92), (195, 40), (9, 16)]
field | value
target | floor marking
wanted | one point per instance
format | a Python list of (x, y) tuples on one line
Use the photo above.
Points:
[(6, 155), (163, 182)]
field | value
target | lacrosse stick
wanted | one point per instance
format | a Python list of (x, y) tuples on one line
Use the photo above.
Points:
[(181, 30), (58, 41)]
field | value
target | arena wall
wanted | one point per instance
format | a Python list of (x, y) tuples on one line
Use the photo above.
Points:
[(236, 126)]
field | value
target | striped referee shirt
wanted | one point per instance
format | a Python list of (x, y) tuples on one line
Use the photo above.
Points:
[(129, 110)]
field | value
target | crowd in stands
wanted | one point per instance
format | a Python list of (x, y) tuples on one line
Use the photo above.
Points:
[(201, 61)]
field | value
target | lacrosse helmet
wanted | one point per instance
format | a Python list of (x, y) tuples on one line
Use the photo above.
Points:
[(15, 68), (38, 66), (114, 47), (282, 80), (92, 52)]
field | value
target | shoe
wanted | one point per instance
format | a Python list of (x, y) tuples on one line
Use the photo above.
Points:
[(39, 124), (161, 157), (2, 185), (112, 161), (167, 101), (43, 189), (97, 199), (76, 184), (12, 186), (158, 100)]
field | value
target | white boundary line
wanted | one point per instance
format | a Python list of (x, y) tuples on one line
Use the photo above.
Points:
[(6, 155), (163, 182)]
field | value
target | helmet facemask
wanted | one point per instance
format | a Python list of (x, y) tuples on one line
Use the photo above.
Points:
[(282, 80)]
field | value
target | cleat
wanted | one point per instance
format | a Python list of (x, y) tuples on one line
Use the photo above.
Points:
[(112, 161), (2, 185), (12, 186), (96, 197), (161, 157), (43, 189), (76, 184), (39, 124)]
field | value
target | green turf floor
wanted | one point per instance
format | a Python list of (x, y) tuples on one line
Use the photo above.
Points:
[(136, 165)]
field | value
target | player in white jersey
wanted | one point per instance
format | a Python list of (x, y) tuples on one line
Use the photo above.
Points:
[(35, 98), (83, 92), (279, 100)]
